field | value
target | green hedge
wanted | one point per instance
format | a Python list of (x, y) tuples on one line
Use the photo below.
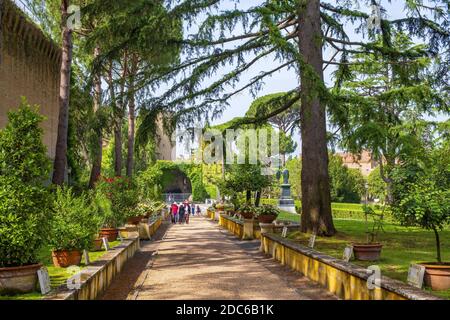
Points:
[(339, 210)]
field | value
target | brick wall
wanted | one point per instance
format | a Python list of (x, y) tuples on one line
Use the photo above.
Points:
[(29, 66)]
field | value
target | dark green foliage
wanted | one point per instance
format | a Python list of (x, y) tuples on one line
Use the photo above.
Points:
[(347, 185), (74, 222), (422, 188), (24, 202), (124, 195)]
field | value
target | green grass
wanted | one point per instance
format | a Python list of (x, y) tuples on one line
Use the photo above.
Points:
[(401, 246), (58, 276)]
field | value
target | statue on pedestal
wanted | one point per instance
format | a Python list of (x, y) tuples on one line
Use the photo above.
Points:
[(285, 203)]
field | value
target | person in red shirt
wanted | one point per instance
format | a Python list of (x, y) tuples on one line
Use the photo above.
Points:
[(174, 210)]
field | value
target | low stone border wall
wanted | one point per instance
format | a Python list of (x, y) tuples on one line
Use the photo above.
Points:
[(343, 279), (237, 227), (234, 226), (210, 214), (97, 277)]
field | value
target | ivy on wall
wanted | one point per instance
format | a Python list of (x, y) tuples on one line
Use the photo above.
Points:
[(153, 179)]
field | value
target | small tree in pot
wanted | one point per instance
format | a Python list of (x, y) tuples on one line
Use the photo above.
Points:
[(371, 249), (24, 211), (124, 199), (74, 224), (428, 206), (101, 206), (422, 198)]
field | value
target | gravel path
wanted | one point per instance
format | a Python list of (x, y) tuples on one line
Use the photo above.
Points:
[(202, 261)]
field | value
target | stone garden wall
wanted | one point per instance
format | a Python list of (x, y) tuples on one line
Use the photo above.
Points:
[(343, 279), (29, 66)]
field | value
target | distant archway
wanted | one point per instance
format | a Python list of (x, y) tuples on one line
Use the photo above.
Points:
[(176, 185)]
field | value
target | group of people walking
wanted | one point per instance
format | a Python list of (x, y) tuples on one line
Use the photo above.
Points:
[(180, 212)]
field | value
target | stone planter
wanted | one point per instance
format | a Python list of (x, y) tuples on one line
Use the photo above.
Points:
[(15, 280), (437, 276), (66, 258), (110, 233), (246, 215), (367, 251), (248, 229), (267, 218), (266, 227), (135, 220)]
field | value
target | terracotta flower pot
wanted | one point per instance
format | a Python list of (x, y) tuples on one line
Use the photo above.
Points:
[(437, 275), (135, 220), (65, 258), (110, 233), (367, 251), (15, 280), (246, 215), (267, 218), (97, 244)]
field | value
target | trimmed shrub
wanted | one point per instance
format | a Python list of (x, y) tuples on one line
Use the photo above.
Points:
[(24, 167)]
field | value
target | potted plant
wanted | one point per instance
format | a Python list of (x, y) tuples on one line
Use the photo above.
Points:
[(427, 205), (24, 211), (267, 213), (73, 226), (371, 249), (247, 211), (101, 207), (124, 198)]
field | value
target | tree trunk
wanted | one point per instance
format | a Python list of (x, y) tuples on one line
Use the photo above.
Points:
[(131, 124), (59, 165), (118, 116), (257, 198), (438, 245), (131, 117), (248, 196), (316, 200), (118, 148), (97, 160)]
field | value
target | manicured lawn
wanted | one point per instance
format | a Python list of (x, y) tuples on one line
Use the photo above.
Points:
[(58, 276), (402, 246)]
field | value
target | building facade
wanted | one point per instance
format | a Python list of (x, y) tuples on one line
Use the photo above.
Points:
[(363, 162)]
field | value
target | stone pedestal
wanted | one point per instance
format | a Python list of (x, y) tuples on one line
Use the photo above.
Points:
[(217, 215), (248, 229), (144, 231), (266, 227), (286, 203), (129, 231)]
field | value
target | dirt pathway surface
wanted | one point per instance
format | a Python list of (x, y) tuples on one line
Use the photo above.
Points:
[(202, 261)]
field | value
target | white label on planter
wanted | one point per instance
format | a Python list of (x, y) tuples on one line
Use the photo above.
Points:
[(415, 275), (106, 243), (87, 261), (284, 233), (312, 240), (120, 237), (348, 252), (44, 280)]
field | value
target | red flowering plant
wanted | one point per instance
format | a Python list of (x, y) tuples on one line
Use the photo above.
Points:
[(124, 196)]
